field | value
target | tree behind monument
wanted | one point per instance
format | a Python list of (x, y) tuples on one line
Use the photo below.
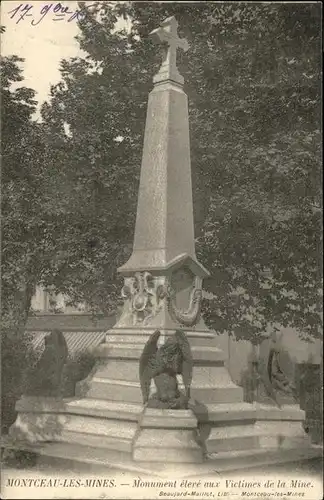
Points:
[(253, 85)]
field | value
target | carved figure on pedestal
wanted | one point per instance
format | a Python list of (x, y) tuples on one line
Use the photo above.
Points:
[(163, 365)]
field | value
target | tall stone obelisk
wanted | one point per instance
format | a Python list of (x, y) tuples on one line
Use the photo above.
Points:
[(164, 229), (163, 278)]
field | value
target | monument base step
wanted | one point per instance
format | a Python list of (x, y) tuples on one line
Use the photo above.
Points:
[(124, 390), (168, 436), (94, 431), (80, 406), (153, 435), (238, 412), (78, 458), (232, 438), (115, 443)]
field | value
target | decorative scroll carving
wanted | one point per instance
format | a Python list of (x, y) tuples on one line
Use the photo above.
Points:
[(143, 295), (191, 315)]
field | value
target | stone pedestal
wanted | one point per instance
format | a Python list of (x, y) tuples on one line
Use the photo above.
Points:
[(281, 428), (167, 436)]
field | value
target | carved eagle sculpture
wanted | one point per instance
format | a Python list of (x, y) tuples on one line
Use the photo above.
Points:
[(163, 364)]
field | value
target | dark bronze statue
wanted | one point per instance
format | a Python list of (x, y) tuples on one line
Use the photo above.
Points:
[(46, 377), (163, 365), (283, 388), (274, 384)]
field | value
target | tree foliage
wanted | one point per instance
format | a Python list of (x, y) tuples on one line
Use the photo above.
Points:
[(253, 80), (19, 138)]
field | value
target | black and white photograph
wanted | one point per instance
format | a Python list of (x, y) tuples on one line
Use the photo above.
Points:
[(161, 250)]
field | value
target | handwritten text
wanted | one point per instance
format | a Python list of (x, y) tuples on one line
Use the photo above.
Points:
[(57, 12)]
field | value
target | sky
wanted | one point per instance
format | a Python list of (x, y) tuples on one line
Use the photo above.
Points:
[(43, 44)]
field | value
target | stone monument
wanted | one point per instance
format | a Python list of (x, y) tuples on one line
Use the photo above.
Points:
[(107, 423)]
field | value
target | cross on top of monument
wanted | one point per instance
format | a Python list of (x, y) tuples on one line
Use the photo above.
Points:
[(167, 33)]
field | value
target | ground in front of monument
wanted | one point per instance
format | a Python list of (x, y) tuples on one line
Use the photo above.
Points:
[(313, 467)]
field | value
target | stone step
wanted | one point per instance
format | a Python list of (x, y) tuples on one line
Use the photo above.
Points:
[(231, 461), (204, 375), (122, 369), (79, 458), (115, 390), (174, 438), (74, 424), (223, 412), (285, 413), (231, 412), (109, 428), (134, 351), (113, 442), (167, 444), (204, 338), (231, 438), (165, 420), (104, 408), (36, 427), (257, 434), (284, 434), (232, 431), (284, 428), (83, 406), (215, 394), (253, 436), (139, 337), (147, 454), (121, 390)]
